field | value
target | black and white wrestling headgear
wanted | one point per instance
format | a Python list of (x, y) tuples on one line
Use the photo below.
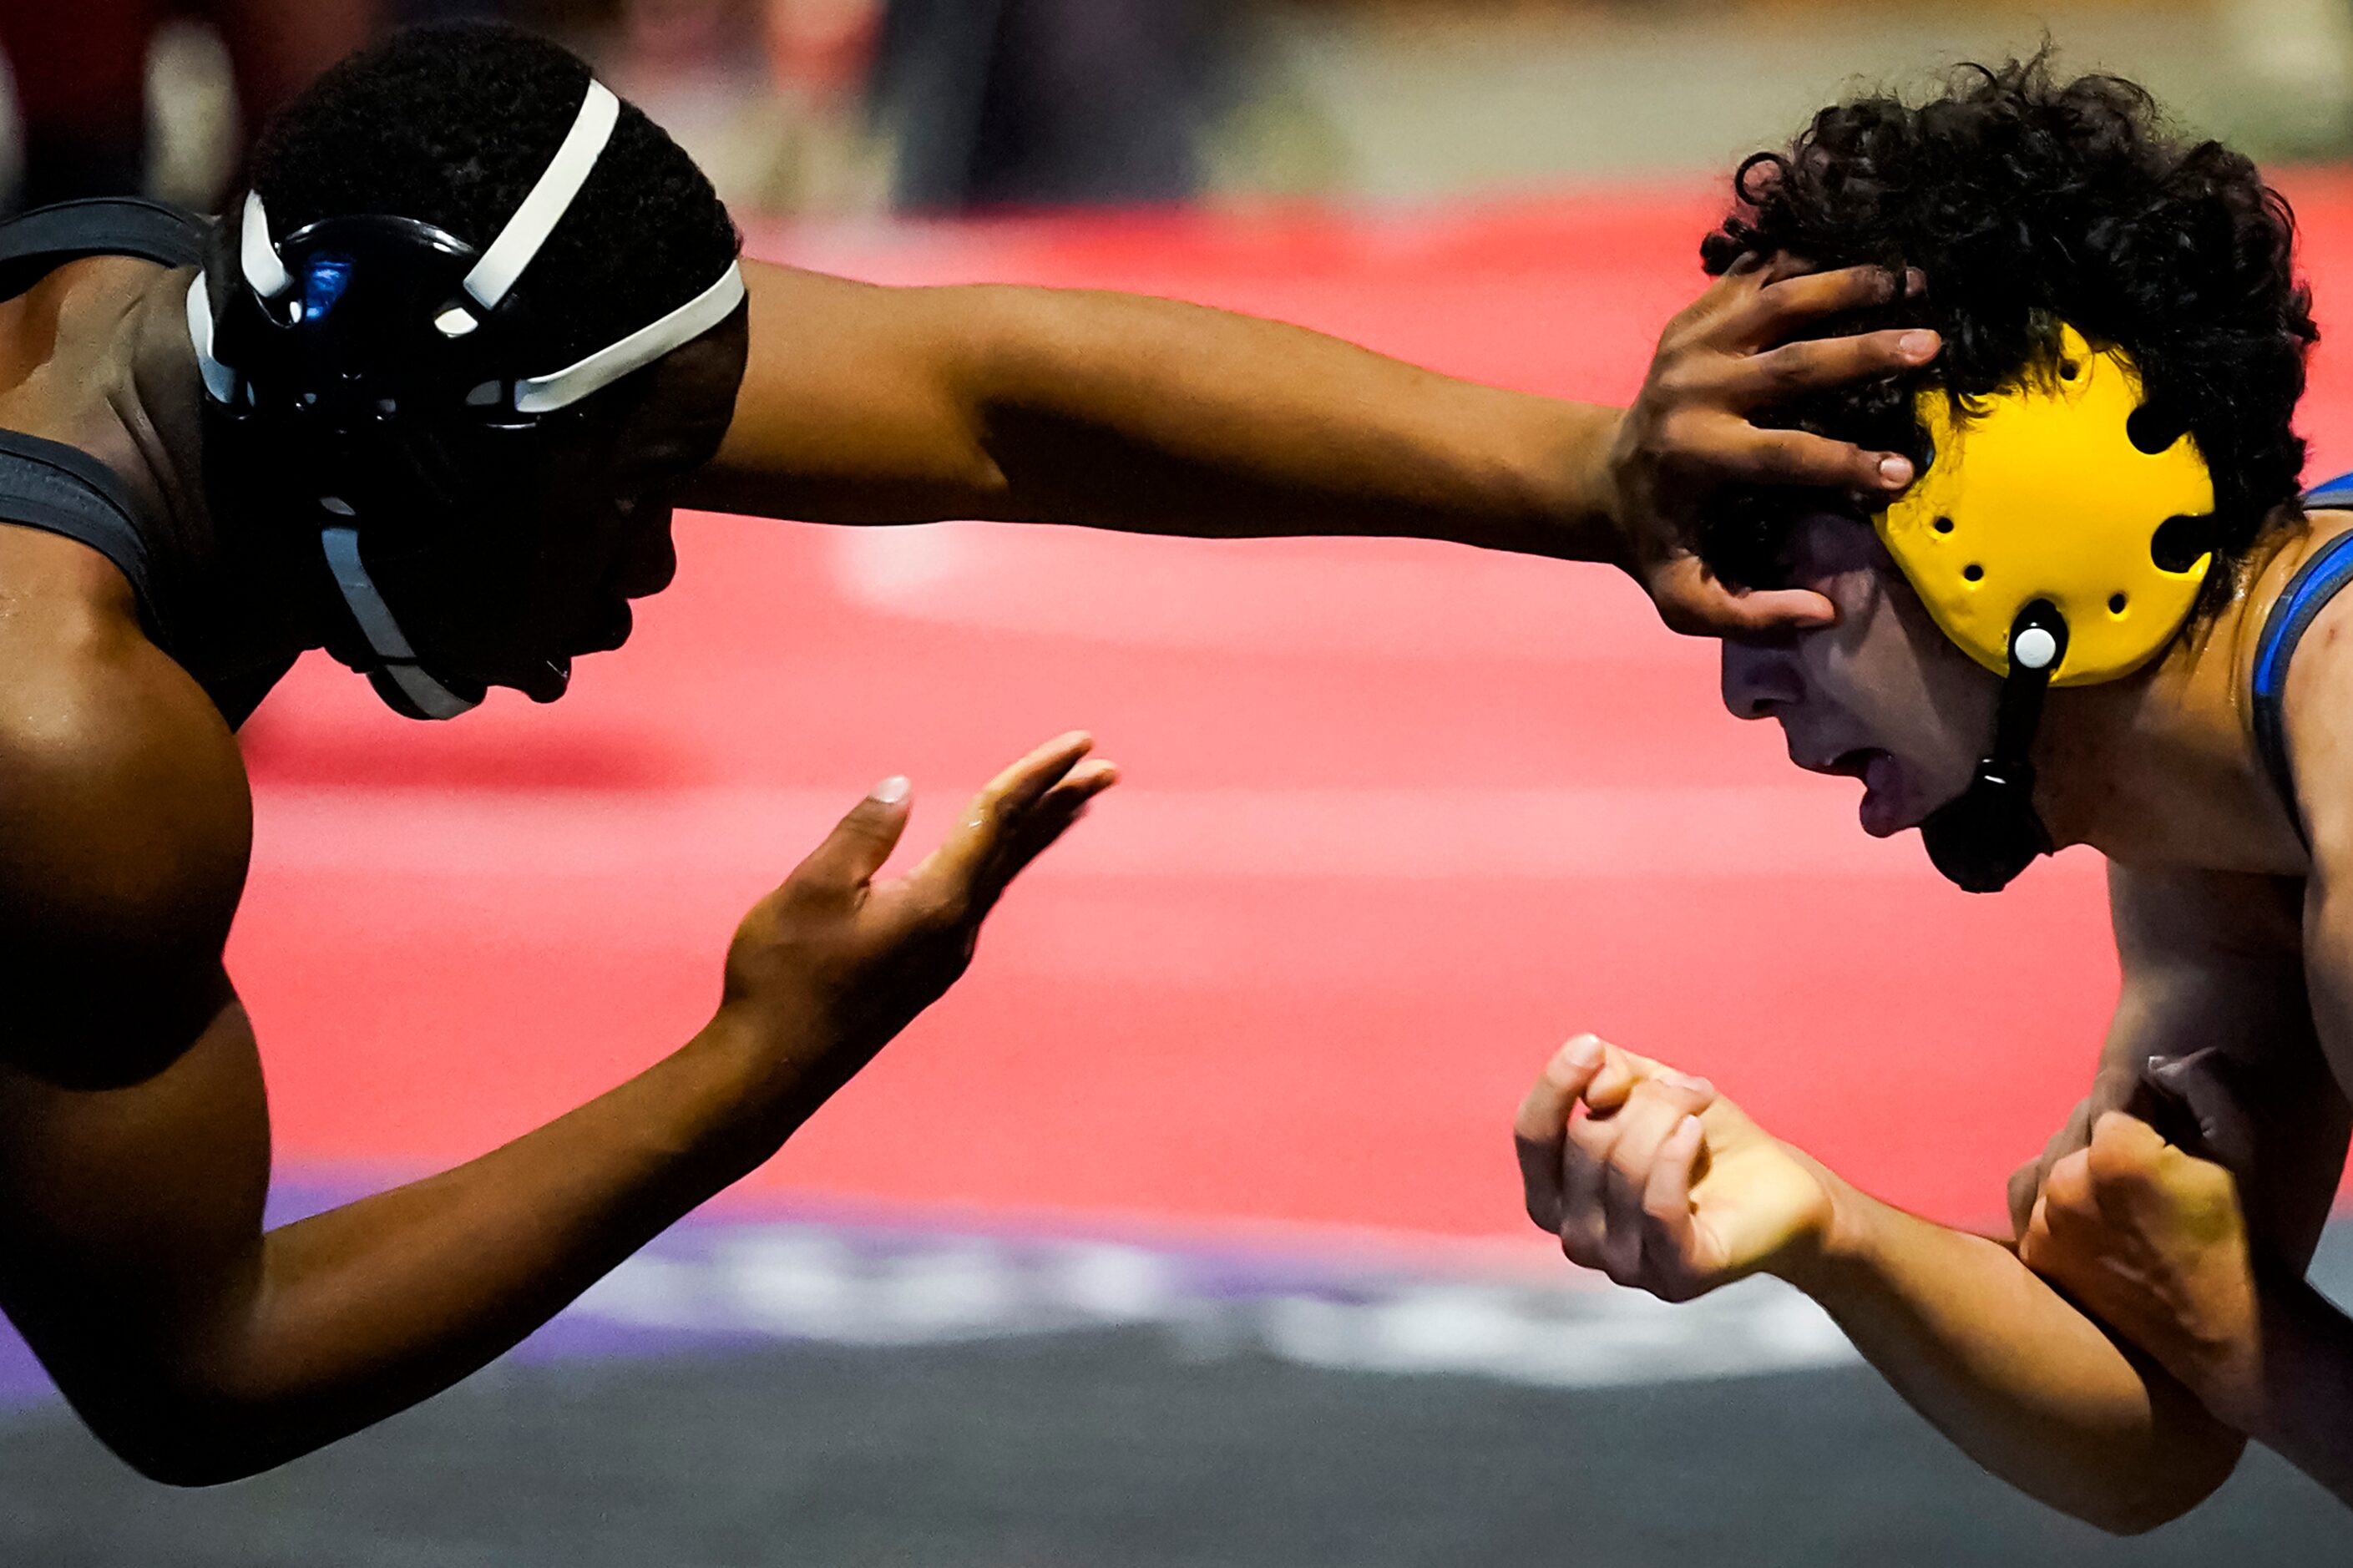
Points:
[(358, 344)]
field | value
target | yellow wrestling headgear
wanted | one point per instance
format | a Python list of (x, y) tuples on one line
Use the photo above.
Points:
[(2044, 496)]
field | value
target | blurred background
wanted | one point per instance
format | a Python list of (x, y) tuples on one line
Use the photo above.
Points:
[(1185, 1232)]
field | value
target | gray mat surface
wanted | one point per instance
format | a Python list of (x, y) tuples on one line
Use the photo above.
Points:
[(1102, 1450)]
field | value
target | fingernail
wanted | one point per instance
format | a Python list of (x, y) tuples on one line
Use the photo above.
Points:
[(1895, 472), (1917, 346), (1689, 1128), (891, 791), (1685, 1082), (1585, 1053)]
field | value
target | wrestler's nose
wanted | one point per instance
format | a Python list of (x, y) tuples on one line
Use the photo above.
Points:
[(1758, 680)]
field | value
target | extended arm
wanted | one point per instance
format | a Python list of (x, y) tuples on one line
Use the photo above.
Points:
[(131, 1252), (875, 404), (1670, 1188)]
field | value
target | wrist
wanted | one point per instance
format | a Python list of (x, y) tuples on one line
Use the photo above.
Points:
[(774, 1062), (1574, 492), (1836, 1244), (2240, 1377)]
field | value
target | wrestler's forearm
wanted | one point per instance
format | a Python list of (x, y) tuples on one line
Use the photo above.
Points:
[(2011, 1372), (865, 405), (1145, 415), (365, 1309)]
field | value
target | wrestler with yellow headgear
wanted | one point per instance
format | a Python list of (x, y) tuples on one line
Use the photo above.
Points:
[(2102, 616)]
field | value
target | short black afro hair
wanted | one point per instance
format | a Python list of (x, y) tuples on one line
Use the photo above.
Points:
[(452, 125), (2026, 201)]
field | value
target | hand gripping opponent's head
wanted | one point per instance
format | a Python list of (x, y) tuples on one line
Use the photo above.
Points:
[(471, 321), (2103, 440)]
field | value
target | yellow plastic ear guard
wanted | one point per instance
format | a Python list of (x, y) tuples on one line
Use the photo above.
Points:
[(2044, 496)]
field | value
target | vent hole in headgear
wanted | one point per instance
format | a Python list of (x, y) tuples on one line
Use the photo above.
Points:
[(2180, 542), (2070, 369), (1942, 526), (1973, 571), (2116, 603), (2152, 430)]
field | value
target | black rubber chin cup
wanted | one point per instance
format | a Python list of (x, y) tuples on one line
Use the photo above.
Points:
[(1983, 839)]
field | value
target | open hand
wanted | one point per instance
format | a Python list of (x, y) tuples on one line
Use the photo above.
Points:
[(1657, 1180), (1733, 352), (829, 966)]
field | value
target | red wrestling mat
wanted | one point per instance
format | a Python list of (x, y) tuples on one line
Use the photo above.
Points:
[(1398, 818)]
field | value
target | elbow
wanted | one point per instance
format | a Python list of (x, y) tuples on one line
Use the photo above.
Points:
[(188, 1454), (2164, 1490), (190, 1441)]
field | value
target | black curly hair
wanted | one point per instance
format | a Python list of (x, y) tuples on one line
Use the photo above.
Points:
[(2026, 201), (452, 124)]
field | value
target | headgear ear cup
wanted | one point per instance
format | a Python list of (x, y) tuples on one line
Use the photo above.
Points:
[(2044, 495), (2046, 543)]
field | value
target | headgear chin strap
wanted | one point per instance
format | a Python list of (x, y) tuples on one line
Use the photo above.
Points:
[(2059, 536), (358, 333), (1985, 836)]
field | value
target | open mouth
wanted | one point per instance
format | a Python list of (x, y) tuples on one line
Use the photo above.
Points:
[(1880, 809)]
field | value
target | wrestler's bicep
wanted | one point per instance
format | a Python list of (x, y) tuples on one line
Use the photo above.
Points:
[(858, 403), (134, 1144)]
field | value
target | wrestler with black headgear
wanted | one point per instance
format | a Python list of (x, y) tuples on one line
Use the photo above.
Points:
[(425, 397)]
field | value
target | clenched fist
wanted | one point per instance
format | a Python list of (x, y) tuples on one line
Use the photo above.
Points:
[(2152, 1241), (1659, 1181)]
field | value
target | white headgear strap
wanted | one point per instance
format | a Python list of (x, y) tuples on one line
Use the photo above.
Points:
[(495, 274), (519, 243), (220, 382), (265, 271), (546, 394)]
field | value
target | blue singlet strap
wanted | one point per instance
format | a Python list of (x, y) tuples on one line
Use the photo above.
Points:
[(2315, 583)]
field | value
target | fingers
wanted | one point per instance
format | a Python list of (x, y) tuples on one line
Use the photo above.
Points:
[(1783, 304), (2026, 1182), (2025, 1187), (1654, 1114), (1043, 824), (1799, 457), (1670, 1240), (2130, 1167), (1776, 375), (1004, 826), (861, 842), (1540, 1129), (1621, 1071), (1632, 1105), (2123, 1147), (1695, 601), (2067, 1192), (2199, 1081)]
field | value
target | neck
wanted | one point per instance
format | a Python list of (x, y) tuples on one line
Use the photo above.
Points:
[(2162, 768), (231, 586)]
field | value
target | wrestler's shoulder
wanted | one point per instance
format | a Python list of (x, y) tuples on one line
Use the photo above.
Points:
[(123, 800)]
